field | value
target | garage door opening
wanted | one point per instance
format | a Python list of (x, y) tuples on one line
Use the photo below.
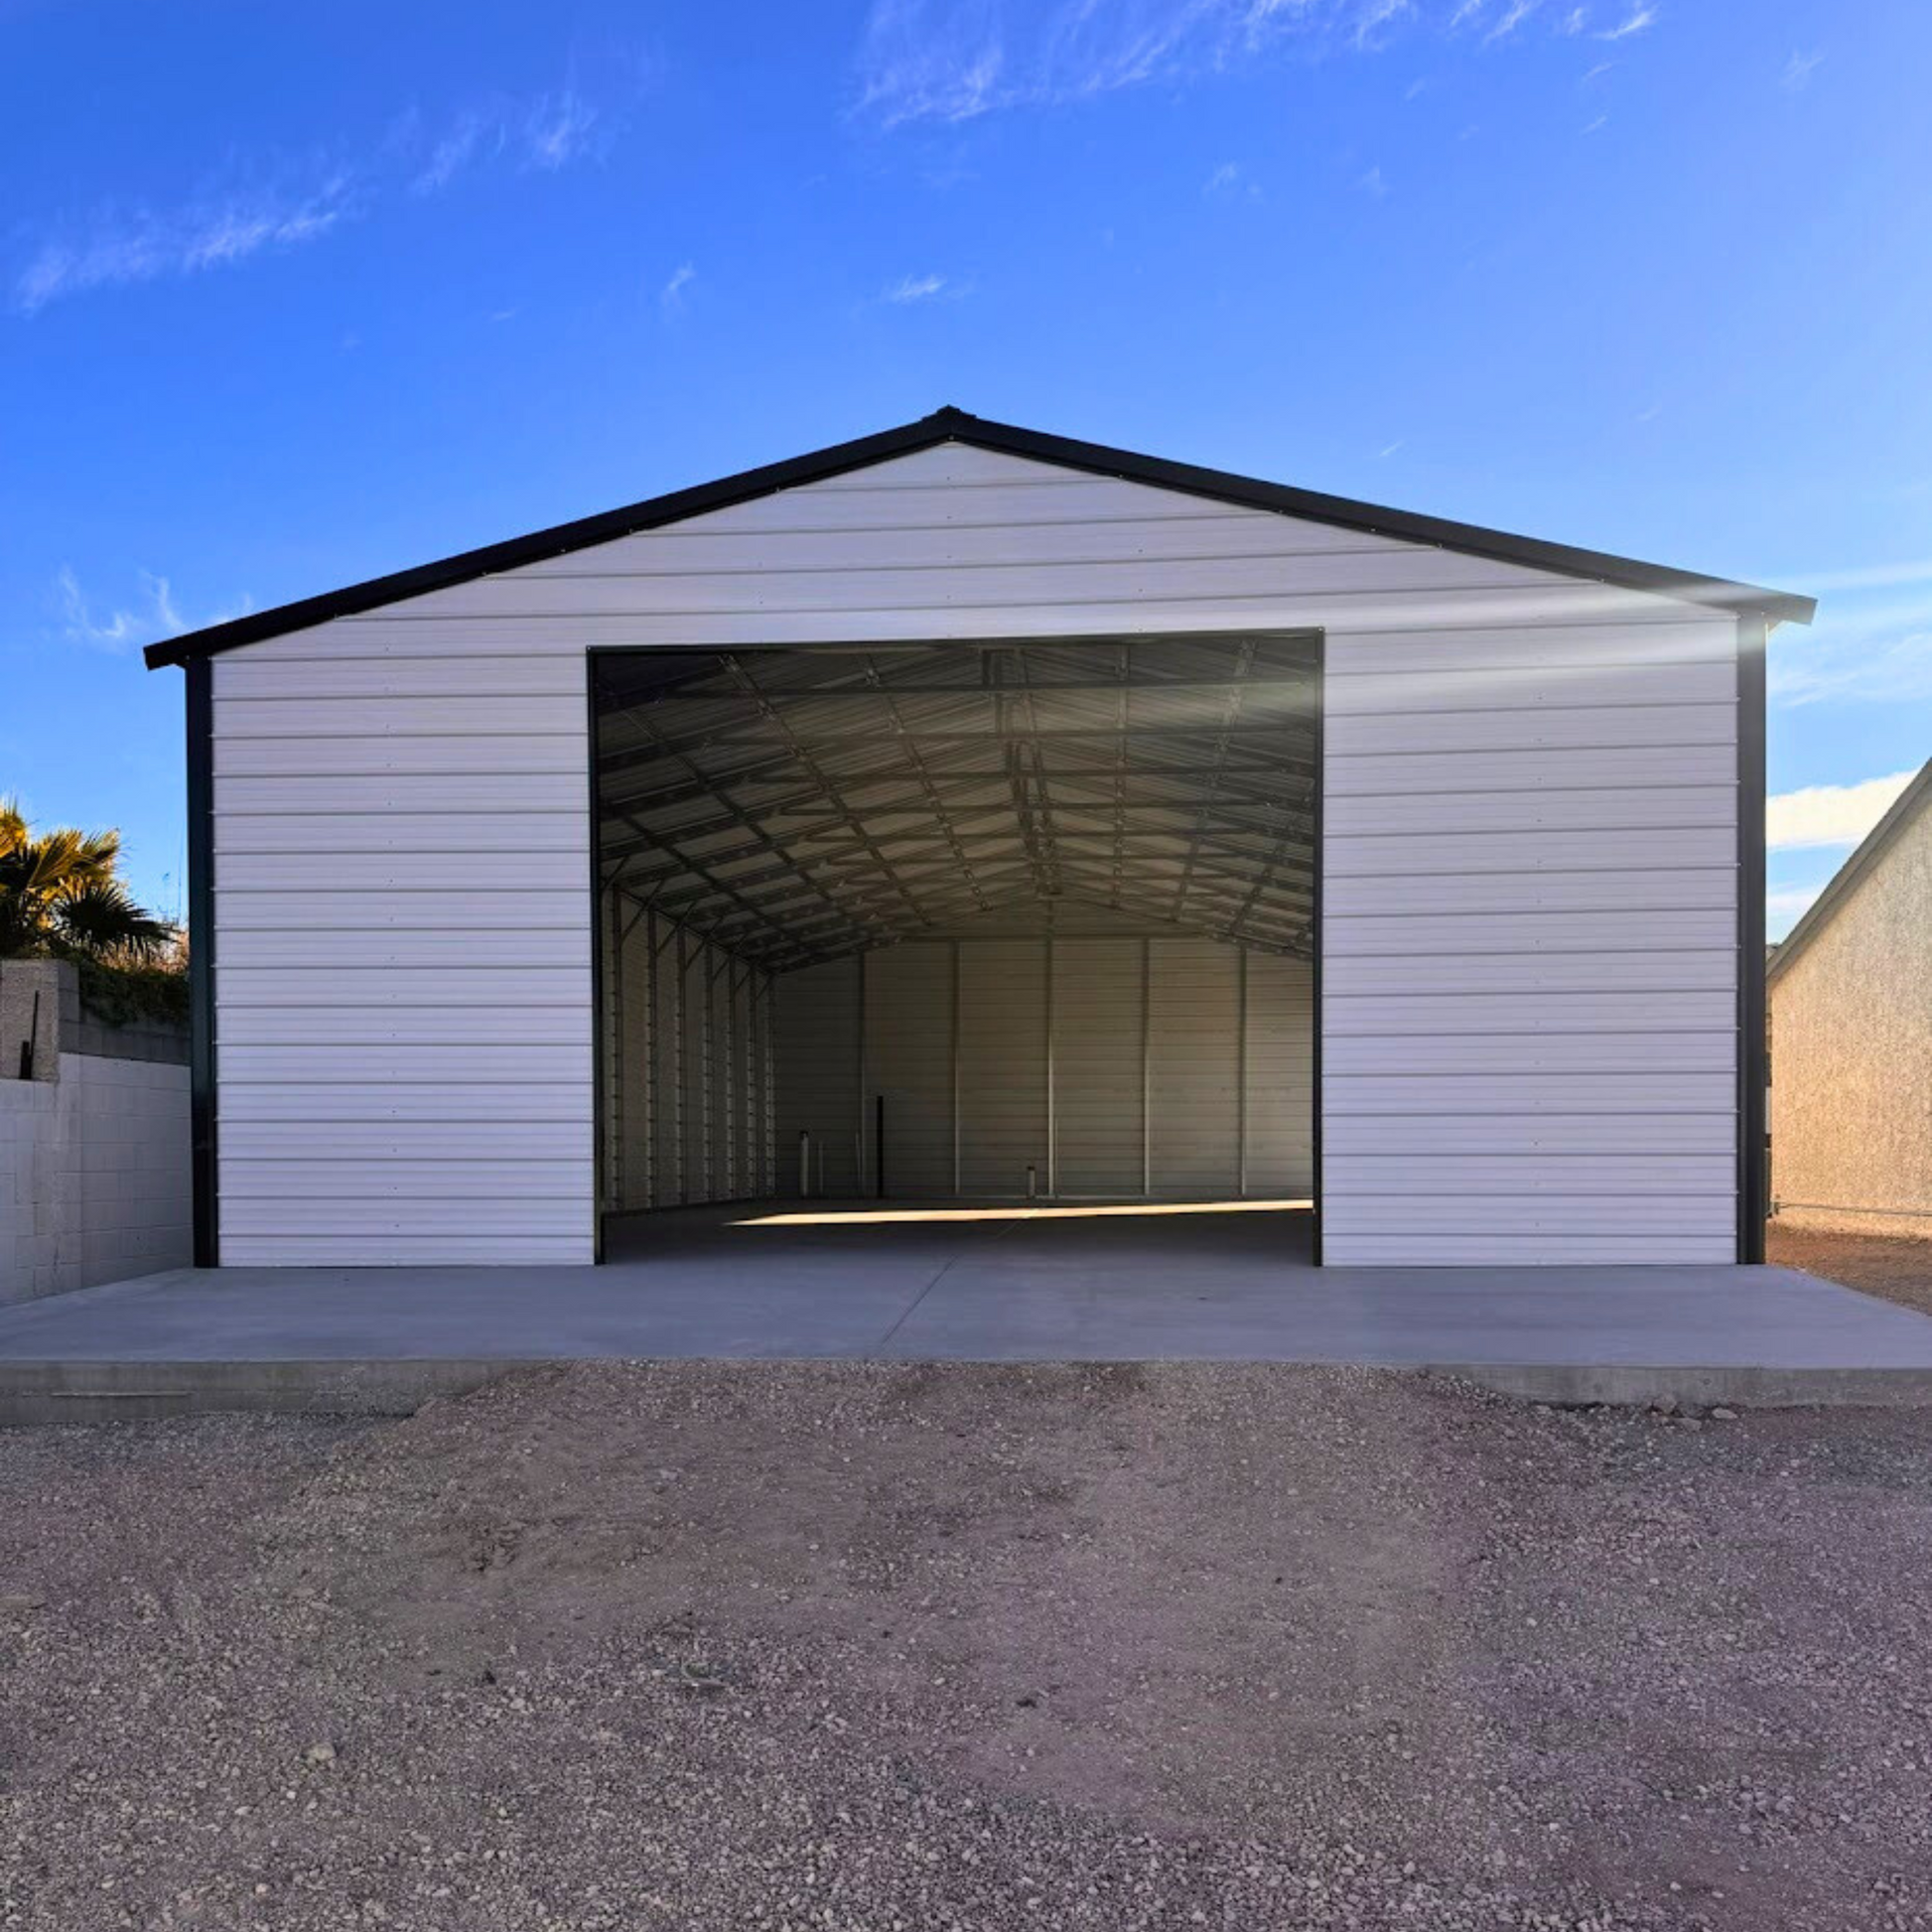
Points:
[(903, 934)]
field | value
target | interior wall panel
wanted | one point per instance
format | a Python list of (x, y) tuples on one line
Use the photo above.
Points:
[(686, 1119), (1099, 1022), (1278, 1078), (816, 1048), (1059, 1053), (909, 1066), (1001, 1066), (1195, 1068)]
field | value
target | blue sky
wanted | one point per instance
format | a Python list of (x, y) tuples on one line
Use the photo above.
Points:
[(289, 297)]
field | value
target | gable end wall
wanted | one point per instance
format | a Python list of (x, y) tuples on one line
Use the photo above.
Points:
[(1530, 913)]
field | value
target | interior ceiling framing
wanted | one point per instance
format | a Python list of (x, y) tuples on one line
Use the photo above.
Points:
[(797, 804)]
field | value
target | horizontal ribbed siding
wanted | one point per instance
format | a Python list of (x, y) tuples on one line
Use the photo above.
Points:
[(1522, 769), (1530, 991), (403, 1029)]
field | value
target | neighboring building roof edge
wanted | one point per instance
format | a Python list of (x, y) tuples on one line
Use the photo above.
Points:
[(1871, 849), (956, 426)]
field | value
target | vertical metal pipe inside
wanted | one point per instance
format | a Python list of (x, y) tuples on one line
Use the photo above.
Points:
[(1146, 1069), (957, 1171), (859, 1090), (1241, 1075), (1053, 1115)]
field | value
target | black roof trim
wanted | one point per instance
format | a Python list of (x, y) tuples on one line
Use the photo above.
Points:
[(1820, 913), (955, 426)]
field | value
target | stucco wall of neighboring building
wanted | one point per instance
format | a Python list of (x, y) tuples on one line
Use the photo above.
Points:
[(1851, 1055)]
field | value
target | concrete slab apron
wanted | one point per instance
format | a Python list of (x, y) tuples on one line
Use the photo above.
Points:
[(381, 1340)]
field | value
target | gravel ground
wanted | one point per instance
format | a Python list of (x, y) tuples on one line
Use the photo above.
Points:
[(858, 1646), (1900, 1269)]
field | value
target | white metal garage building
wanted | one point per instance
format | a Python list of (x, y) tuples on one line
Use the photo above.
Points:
[(964, 814)]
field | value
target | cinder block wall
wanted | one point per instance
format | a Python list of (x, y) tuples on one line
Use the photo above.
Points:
[(94, 1165)]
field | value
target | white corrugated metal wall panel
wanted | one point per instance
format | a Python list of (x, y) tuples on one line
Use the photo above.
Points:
[(465, 703), (1099, 1023), (664, 1065), (1530, 997), (816, 1048), (1193, 1068), (1001, 1066), (1108, 1050), (934, 546), (1278, 1078), (687, 1121), (695, 1063), (630, 1040), (404, 1003), (909, 1020)]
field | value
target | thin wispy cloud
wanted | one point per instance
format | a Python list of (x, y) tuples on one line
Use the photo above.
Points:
[(1634, 22), (1873, 644), (1798, 72), (1370, 16), (545, 133), (451, 154), (917, 288), (1511, 18), (214, 233), (1820, 815), (671, 295), (272, 208), (952, 61), (558, 128), (125, 627), (1851, 665)]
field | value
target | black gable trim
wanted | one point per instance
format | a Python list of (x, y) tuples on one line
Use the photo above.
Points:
[(955, 426)]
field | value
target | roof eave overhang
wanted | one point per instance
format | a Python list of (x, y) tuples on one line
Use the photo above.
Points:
[(956, 426)]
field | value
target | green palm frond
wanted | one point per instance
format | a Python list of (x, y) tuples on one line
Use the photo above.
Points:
[(99, 919), (61, 893)]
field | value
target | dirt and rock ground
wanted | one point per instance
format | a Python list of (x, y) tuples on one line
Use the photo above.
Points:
[(1899, 1267), (873, 1647)]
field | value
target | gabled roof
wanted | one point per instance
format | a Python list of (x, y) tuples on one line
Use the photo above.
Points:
[(955, 426), (1823, 908)]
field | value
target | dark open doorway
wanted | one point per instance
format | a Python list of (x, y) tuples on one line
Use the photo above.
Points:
[(972, 921)]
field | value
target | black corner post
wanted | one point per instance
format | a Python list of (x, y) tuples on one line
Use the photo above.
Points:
[(879, 1145), (199, 673), (1752, 1181), (600, 1046), (1315, 927)]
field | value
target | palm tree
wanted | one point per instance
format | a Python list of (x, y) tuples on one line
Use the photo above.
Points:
[(60, 893)]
